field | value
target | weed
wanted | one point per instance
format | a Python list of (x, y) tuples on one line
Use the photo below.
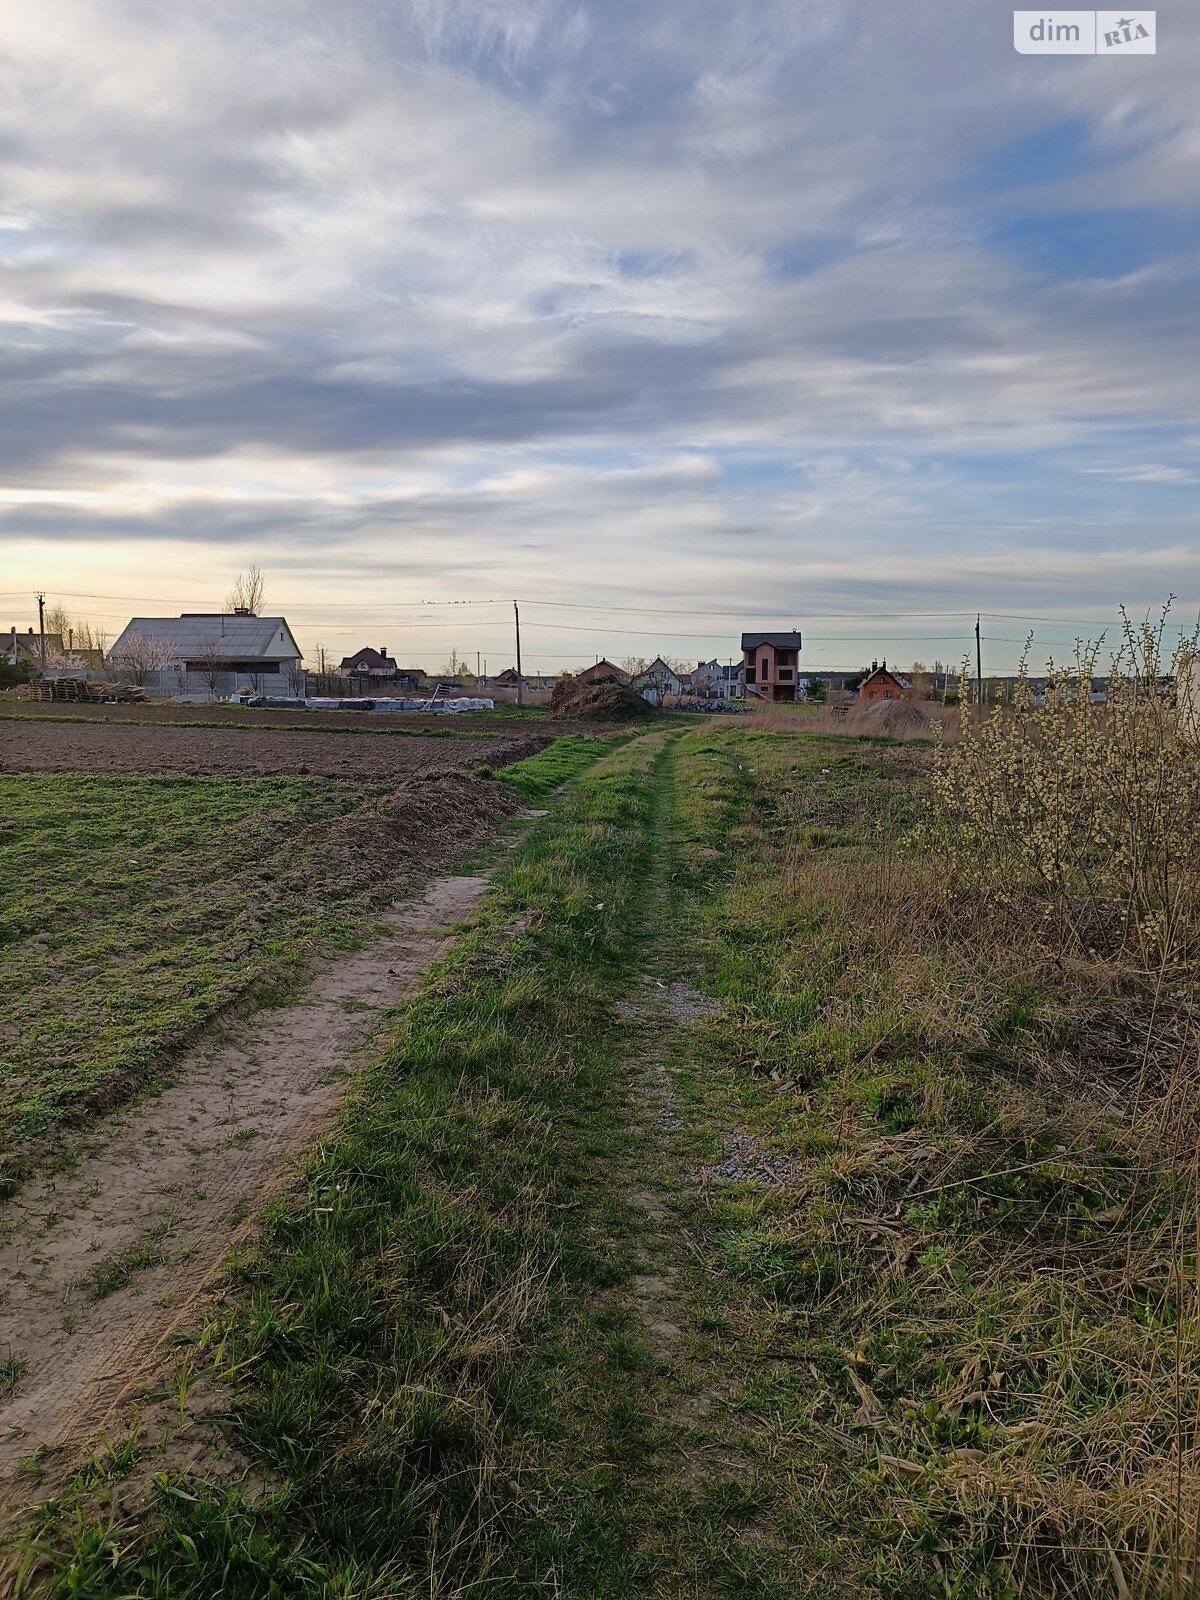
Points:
[(12, 1370)]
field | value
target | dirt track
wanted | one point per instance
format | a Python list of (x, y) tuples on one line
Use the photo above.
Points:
[(104, 1258), (29, 745)]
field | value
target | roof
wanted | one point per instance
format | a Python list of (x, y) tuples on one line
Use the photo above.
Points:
[(602, 668), (780, 641), (886, 672), (371, 658), (239, 638), (30, 644)]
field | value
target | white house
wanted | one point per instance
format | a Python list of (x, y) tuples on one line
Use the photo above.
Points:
[(659, 682), (716, 680), (213, 653)]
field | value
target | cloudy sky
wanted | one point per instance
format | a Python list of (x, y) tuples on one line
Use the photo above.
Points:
[(665, 319)]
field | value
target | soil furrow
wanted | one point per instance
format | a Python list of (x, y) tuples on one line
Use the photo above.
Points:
[(99, 1257)]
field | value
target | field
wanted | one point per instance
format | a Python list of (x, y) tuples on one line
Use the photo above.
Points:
[(45, 745), (754, 1204), (504, 721)]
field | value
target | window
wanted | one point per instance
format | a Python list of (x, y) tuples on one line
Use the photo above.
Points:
[(764, 670), (784, 673), (783, 657), (749, 672)]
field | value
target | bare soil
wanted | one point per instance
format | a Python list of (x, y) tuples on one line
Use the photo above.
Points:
[(102, 1259), (606, 701), (46, 745), (503, 722)]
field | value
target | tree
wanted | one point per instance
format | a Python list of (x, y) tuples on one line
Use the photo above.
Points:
[(634, 666), (212, 663), (324, 661), (141, 654), (79, 637), (455, 666), (249, 592), (11, 675), (57, 619)]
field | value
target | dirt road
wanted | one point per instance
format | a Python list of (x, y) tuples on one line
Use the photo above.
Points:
[(102, 1258)]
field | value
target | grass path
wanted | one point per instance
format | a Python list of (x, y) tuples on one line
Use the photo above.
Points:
[(671, 1249)]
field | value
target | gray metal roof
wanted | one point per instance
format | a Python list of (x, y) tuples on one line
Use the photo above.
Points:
[(239, 638), (781, 641)]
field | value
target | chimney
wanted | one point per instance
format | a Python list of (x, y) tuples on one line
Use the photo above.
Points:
[(874, 666)]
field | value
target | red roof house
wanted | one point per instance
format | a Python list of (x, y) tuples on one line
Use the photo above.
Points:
[(880, 684)]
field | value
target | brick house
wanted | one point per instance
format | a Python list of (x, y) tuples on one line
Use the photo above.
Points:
[(601, 672), (880, 684), (771, 661)]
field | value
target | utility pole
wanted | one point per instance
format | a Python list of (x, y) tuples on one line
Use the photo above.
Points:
[(477, 663), (41, 600), (978, 666), (520, 686)]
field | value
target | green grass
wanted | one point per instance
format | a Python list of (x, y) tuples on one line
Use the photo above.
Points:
[(953, 1239), (506, 1338), (12, 1370), (388, 1337), (538, 777), (133, 909)]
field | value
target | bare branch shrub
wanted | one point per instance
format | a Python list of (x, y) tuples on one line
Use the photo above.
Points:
[(140, 655), (249, 591), (1084, 809), (211, 663)]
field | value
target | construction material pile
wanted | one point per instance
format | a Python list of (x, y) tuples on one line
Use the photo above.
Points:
[(606, 701), (80, 689)]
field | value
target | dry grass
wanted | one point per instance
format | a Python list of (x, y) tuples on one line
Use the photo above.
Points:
[(1058, 955), (1087, 1387), (902, 720)]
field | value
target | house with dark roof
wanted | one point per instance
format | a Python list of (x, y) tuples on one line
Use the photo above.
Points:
[(30, 649), (880, 684), (658, 683), (771, 661), (368, 663), (718, 680)]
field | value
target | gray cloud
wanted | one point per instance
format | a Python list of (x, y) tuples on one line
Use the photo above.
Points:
[(280, 276)]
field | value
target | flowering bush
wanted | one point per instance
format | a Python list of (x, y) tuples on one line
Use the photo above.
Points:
[(1080, 807)]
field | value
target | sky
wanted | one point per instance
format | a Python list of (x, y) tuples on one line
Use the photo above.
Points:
[(664, 320)]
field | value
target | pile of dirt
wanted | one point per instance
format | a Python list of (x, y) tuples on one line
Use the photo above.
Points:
[(606, 701), (894, 717), (422, 825)]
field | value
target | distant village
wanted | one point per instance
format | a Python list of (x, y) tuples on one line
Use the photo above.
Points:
[(200, 656)]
